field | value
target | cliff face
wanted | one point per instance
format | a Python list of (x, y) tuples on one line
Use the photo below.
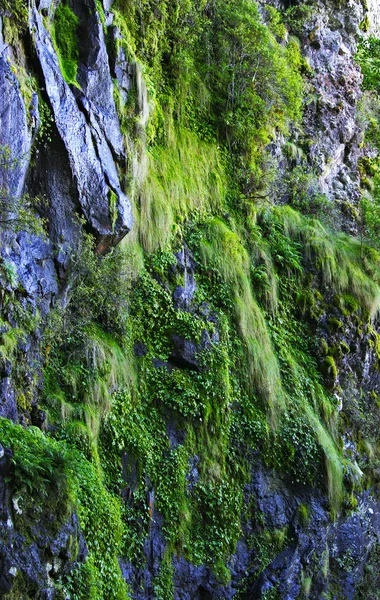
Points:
[(373, 17), (190, 396)]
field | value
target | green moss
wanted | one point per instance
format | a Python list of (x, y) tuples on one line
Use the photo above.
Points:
[(163, 582), (339, 350), (334, 323), (330, 367), (23, 403), (9, 339), (268, 544), (199, 159), (344, 264), (113, 201), (365, 24), (186, 180), (304, 514), (323, 346), (16, 11), (65, 38), (275, 22), (221, 250), (306, 586)]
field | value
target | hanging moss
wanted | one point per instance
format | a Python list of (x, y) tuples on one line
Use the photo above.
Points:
[(185, 180)]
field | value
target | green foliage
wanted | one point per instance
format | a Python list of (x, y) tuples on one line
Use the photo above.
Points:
[(369, 587), (304, 514), (16, 10), (250, 88), (66, 41), (185, 181), (37, 460), (255, 83), (263, 362), (369, 118), (110, 276), (221, 251), (343, 262), (47, 473), (368, 57), (163, 583), (275, 22), (306, 586), (9, 338), (301, 188), (297, 16), (138, 433)]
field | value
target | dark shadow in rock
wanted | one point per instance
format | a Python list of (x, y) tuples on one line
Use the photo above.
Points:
[(204, 594), (185, 352), (51, 181)]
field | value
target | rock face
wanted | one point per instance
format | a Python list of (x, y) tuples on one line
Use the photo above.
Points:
[(329, 45), (342, 548), (15, 134), (313, 547), (75, 168), (89, 142), (75, 175), (373, 17), (77, 172), (48, 557), (330, 139)]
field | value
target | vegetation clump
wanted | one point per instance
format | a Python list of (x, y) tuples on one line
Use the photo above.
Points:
[(136, 429), (66, 40)]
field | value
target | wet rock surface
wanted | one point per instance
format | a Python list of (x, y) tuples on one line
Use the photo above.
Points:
[(78, 172), (38, 557), (342, 547), (330, 143), (89, 142)]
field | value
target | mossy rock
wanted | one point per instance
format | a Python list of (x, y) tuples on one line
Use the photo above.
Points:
[(334, 323), (329, 368)]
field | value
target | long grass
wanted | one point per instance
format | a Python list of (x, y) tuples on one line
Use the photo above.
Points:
[(221, 249), (185, 180), (344, 263)]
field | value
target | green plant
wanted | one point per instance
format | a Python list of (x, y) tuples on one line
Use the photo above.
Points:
[(15, 10), (65, 38), (185, 180), (51, 475), (304, 514)]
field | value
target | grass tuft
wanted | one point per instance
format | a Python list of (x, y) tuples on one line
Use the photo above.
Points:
[(185, 180)]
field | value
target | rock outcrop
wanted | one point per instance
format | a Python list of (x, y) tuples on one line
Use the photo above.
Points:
[(76, 174)]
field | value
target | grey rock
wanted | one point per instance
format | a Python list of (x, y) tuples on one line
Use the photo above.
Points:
[(8, 406), (140, 349), (185, 353), (193, 473), (14, 130), (332, 150), (183, 295), (90, 157), (51, 551), (94, 77), (124, 71), (107, 4), (46, 5), (2, 43), (51, 180)]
